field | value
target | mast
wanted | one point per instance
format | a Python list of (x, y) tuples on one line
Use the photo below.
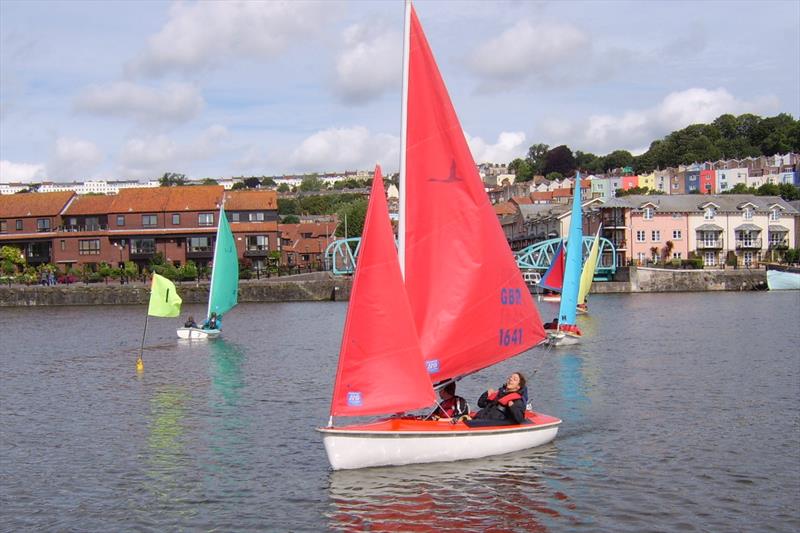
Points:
[(214, 271), (401, 183)]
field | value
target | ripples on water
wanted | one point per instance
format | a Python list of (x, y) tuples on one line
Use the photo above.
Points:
[(681, 412)]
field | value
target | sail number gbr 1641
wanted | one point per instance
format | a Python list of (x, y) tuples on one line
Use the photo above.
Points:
[(507, 337)]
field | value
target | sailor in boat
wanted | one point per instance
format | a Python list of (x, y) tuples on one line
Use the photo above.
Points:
[(213, 322), (505, 406), (452, 406), (190, 323)]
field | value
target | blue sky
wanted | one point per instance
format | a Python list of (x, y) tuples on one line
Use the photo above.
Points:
[(210, 89)]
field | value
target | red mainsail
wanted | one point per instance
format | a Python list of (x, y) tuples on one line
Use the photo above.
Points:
[(553, 279), (381, 369), (470, 304)]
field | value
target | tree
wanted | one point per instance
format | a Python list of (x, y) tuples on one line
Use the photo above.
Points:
[(287, 206), (252, 183), (172, 179), (283, 187), (11, 258), (522, 169), (559, 159), (536, 157), (290, 219), (267, 182), (355, 213), (238, 186), (554, 176), (618, 159), (311, 182), (209, 181), (789, 192)]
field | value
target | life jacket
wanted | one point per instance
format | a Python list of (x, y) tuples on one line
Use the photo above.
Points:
[(504, 400), (451, 408)]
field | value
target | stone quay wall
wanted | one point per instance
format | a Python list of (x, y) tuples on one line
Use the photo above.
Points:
[(322, 286)]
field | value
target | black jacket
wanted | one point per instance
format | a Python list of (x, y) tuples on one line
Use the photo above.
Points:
[(514, 413)]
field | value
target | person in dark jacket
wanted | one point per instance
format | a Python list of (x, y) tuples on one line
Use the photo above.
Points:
[(190, 323), (212, 322), (451, 406), (504, 406)]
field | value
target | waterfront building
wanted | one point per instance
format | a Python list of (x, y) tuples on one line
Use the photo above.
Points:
[(180, 223), (629, 182), (303, 245), (734, 229), (728, 178), (708, 181), (648, 180), (600, 187)]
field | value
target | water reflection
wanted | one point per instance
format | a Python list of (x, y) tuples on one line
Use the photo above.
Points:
[(166, 455), (511, 492), (573, 388)]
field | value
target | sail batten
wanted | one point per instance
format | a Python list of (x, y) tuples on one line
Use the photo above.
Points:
[(470, 304)]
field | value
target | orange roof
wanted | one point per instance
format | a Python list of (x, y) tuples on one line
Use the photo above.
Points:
[(522, 200), (162, 199), (585, 184), (90, 204), (504, 208), (250, 200), (544, 195), (34, 204), (561, 193)]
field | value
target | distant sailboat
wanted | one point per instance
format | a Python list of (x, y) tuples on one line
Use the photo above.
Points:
[(567, 331), (553, 279), (587, 275), (223, 291), (463, 305)]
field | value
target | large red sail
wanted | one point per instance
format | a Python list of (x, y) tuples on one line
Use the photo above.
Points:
[(381, 369), (470, 304)]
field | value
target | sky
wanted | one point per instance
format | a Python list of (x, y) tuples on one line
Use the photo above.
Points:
[(134, 89)]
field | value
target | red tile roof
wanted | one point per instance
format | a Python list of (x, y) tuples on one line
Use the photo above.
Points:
[(251, 227), (544, 195), (504, 208), (168, 199), (562, 193), (250, 200), (90, 204), (33, 204), (522, 200)]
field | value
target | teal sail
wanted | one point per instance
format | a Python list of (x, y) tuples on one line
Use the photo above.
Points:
[(572, 273), (223, 294)]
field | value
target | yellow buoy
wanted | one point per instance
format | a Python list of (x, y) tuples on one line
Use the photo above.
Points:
[(139, 365)]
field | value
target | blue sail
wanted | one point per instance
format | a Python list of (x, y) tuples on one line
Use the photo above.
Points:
[(572, 274)]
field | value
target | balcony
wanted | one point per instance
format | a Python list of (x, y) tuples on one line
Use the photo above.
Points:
[(142, 254), (256, 251), (748, 244), (614, 222), (79, 229), (779, 244), (200, 252), (710, 244)]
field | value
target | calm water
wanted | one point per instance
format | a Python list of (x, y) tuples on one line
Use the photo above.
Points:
[(681, 412)]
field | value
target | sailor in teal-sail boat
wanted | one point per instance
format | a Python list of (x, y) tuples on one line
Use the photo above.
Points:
[(223, 292)]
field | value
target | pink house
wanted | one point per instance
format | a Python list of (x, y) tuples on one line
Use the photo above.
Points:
[(629, 182), (650, 231)]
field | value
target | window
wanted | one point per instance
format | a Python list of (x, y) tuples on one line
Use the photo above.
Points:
[(120, 220), (675, 186), (19, 225), (257, 242), (642, 257), (176, 219), (676, 255), (149, 221), (774, 215), (723, 185), (747, 213), (648, 213), (205, 219), (63, 245), (234, 217), (143, 246), (199, 244), (656, 235), (710, 258), (257, 217), (640, 236), (676, 234), (43, 224), (89, 246), (709, 213), (3, 226), (692, 178)]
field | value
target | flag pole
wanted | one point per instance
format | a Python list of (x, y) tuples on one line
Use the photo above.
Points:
[(139, 361)]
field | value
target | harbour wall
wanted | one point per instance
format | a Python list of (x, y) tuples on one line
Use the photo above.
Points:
[(322, 286)]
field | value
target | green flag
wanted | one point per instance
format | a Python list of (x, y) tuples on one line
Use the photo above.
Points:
[(164, 299)]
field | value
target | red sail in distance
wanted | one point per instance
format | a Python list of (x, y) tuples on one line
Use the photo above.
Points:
[(553, 279), (470, 304), (381, 369)]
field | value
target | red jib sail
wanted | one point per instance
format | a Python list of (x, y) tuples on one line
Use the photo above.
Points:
[(470, 304), (553, 279), (381, 369)]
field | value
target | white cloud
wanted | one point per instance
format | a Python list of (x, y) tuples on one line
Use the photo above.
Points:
[(174, 103), (525, 49), (21, 172), (154, 155), (346, 148), (369, 64), (635, 129), (509, 146), (200, 35), (73, 159)]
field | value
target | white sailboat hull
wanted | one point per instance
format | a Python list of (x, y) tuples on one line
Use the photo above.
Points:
[(562, 338), (778, 280), (350, 448), (197, 333)]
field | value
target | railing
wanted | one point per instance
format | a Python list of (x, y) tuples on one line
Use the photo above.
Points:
[(142, 254), (779, 245), (614, 222), (710, 244), (257, 251), (748, 243), (77, 229)]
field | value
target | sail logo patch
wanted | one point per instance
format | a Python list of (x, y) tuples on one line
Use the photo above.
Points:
[(432, 365), (354, 399)]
